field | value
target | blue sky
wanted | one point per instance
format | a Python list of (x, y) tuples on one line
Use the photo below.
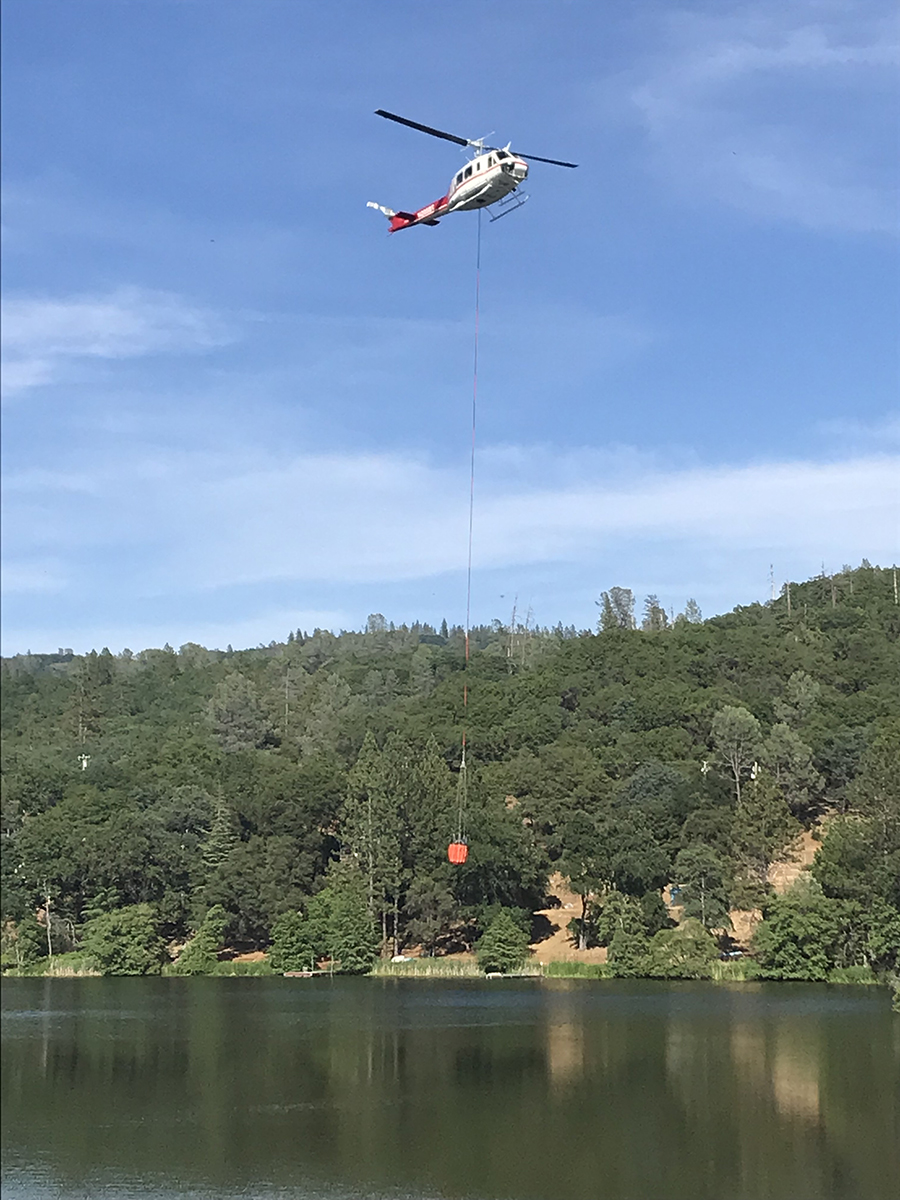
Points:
[(235, 406)]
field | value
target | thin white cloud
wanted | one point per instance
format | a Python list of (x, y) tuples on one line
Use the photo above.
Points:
[(783, 110), (40, 336), (861, 436), (202, 521)]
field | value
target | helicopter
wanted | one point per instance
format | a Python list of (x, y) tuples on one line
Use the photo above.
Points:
[(491, 177)]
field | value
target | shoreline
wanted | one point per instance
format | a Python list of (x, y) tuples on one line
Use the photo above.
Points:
[(588, 972)]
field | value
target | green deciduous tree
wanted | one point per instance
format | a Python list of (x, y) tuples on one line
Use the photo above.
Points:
[(330, 705), (659, 797), (736, 738), (583, 862), (632, 859), (654, 912), (429, 909), (31, 940), (200, 955), (799, 934), (852, 864), (875, 792), (882, 948), (125, 941), (614, 912), (686, 952), (627, 951)]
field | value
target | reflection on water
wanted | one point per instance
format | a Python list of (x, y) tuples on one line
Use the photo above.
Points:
[(565, 1048), (795, 1071), (612, 1090), (785, 1064)]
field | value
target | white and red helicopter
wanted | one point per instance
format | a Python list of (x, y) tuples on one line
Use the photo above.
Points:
[(491, 177)]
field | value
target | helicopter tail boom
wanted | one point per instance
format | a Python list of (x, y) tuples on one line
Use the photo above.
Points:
[(429, 215)]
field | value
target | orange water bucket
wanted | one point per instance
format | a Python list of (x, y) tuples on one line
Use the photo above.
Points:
[(457, 852)]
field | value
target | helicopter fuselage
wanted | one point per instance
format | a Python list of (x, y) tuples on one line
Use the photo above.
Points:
[(484, 180)]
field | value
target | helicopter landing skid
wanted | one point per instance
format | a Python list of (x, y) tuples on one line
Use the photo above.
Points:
[(509, 204)]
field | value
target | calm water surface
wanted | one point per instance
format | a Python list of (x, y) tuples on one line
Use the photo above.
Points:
[(538, 1090)]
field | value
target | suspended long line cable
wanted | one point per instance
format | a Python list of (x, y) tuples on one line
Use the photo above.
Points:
[(462, 784), (474, 415)]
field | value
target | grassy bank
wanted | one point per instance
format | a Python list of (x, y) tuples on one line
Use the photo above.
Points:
[(429, 968), (80, 965)]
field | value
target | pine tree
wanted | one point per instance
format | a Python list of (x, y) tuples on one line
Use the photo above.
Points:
[(503, 946), (372, 826), (293, 943), (221, 839), (237, 716), (351, 933), (702, 877), (655, 619), (692, 613)]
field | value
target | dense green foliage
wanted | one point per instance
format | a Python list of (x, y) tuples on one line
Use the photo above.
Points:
[(293, 943), (687, 952), (503, 946), (808, 935), (688, 752), (125, 941), (201, 954)]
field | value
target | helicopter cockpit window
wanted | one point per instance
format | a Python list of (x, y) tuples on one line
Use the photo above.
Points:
[(459, 179), (468, 172), (502, 154)]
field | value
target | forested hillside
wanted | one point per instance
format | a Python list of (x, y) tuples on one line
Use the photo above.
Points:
[(650, 752)]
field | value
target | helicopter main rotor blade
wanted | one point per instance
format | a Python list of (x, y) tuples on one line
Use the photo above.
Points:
[(536, 158), (451, 137), (439, 133)]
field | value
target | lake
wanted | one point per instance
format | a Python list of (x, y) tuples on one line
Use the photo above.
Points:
[(547, 1089)]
